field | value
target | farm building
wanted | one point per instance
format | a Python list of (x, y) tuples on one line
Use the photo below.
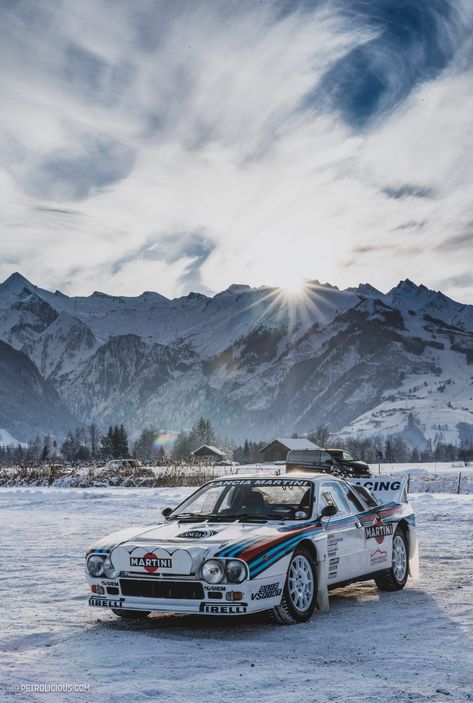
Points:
[(208, 453), (278, 448)]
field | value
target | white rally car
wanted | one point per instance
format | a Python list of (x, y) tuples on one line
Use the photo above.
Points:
[(249, 543)]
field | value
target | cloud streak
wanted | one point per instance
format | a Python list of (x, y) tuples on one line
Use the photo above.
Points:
[(191, 145)]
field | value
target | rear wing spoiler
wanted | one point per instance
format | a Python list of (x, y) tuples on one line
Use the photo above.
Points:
[(385, 489)]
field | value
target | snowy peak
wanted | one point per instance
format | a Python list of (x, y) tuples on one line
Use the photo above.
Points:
[(366, 290), (27, 317), (15, 283)]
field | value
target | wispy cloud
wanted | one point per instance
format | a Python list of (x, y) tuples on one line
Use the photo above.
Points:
[(170, 146)]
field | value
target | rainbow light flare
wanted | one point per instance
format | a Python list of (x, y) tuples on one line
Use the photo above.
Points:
[(163, 439)]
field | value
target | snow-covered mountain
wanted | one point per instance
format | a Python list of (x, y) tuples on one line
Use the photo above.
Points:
[(255, 361), (28, 404)]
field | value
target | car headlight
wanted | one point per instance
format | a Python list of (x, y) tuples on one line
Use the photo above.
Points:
[(237, 571), (95, 566), (213, 571), (109, 569)]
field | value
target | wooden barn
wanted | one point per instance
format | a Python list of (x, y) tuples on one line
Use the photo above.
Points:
[(208, 453), (278, 448)]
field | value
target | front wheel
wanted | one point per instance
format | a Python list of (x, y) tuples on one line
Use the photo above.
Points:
[(300, 590), (131, 614), (396, 577)]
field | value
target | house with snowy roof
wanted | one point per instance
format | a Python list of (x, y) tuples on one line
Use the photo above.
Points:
[(277, 449)]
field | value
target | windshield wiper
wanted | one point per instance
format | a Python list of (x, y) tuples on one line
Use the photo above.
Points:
[(250, 517), (195, 517), (240, 517)]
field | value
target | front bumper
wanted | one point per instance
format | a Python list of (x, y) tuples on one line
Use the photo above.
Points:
[(251, 596)]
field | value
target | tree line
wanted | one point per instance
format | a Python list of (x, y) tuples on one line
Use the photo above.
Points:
[(87, 444)]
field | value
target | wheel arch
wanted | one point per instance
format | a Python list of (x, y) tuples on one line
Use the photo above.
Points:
[(404, 526), (310, 546), (412, 548), (321, 568)]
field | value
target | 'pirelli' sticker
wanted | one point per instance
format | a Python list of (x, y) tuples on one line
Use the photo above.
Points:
[(213, 609), (105, 602)]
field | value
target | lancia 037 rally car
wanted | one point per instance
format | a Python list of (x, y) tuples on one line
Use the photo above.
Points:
[(243, 544)]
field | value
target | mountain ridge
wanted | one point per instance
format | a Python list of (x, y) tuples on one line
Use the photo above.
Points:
[(256, 361)]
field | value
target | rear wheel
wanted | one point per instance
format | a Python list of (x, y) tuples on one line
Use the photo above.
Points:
[(131, 614), (300, 590), (396, 577)]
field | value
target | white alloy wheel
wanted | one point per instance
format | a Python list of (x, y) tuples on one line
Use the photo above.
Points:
[(301, 583), (399, 558)]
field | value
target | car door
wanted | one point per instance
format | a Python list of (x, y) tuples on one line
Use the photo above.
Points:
[(345, 534)]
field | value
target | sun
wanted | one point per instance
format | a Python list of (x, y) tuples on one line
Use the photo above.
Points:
[(293, 286)]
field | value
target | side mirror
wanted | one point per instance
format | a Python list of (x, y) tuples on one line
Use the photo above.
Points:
[(328, 511), (166, 512)]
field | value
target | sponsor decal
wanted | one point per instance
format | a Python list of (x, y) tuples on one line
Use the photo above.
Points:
[(215, 588), (379, 556), (271, 590), (151, 563), (105, 602), (300, 515), (212, 609), (333, 544), (333, 567), (382, 485), (378, 531), (109, 583), (196, 534)]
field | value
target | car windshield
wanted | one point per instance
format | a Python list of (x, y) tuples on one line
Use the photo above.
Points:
[(248, 499)]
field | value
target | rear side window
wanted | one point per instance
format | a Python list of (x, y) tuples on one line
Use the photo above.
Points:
[(366, 496)]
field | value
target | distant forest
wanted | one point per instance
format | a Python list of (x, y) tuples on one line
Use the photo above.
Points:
[(87, 445)]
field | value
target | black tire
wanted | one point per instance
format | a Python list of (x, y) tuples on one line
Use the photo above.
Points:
[(288, 612), (395, 579), (131, 614)]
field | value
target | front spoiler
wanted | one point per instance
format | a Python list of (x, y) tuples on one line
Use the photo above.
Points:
[(255, 596), (194, 607)]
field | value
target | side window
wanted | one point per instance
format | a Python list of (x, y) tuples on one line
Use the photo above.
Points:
[(325, 459), (355, 503), (330, 494), (370, 501)]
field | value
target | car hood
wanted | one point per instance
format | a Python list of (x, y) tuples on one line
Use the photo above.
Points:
[(180, 547)]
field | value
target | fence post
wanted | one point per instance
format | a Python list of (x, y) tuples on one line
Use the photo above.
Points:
[(408, 482), (459, 482)]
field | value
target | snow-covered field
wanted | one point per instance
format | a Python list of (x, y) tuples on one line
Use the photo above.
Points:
[(415, 645)]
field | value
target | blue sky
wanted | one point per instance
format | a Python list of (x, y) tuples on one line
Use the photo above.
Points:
[(178, 146)]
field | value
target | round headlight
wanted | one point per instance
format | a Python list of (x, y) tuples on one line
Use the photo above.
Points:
[(109, 569), (95, 565), (236, 571), (212, 571)]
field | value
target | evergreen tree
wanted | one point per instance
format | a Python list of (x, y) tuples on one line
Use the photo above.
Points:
[(119, 442), (182, 446), (144, 445), (107, 444), (94, 440)]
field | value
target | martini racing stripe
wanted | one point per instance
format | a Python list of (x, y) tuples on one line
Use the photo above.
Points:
[(271, 556), (233, 549)]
